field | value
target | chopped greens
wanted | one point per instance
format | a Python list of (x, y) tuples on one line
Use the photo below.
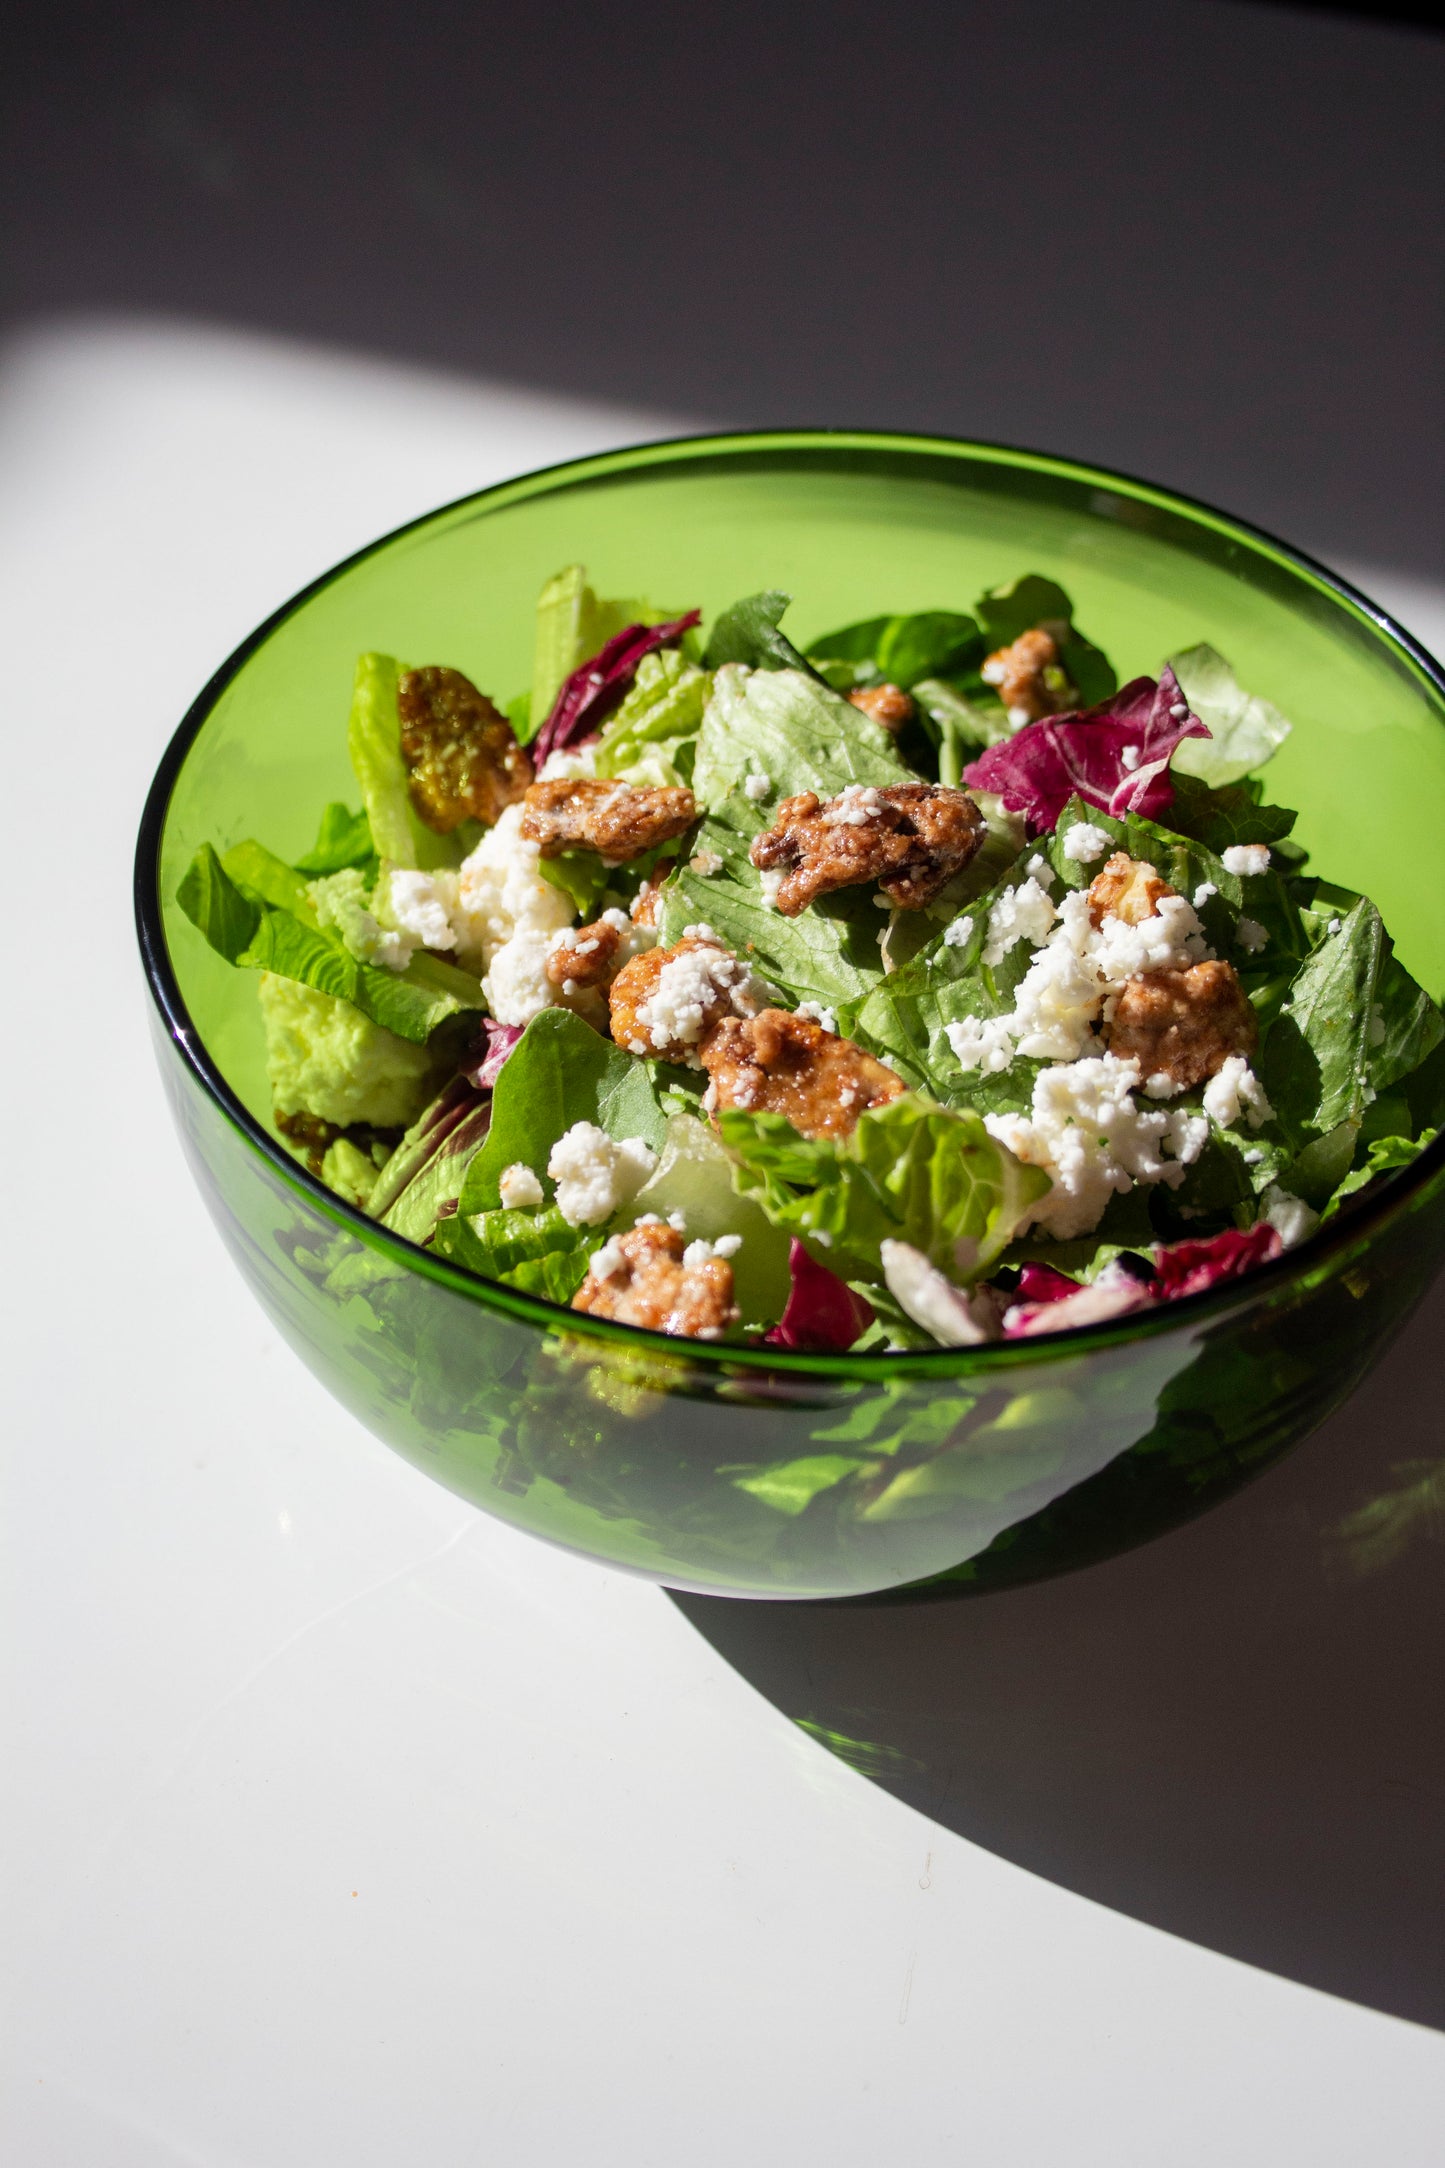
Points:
[(923, 988)]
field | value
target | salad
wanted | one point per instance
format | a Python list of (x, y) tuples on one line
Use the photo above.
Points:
[(924, 986)]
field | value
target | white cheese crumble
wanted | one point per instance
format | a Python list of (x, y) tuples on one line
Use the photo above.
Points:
[(421, 904), (340, 902), (1094, 1143), (855, 805), (1084, 843), (1290, 1217), (959, 933), (757, 786), (1251, 936), (1334, 925), (504, 917), (1235, 1090), (1041, 871), (984, 1043), (826, 1019), (1130, 758), (595, 1174), (706, 863), (922, 1292), (519, 1187), (692, 990), (1202, 894), (770, 882), (606, 1263), (1246, 858), (699, 1253), (1024, 913)]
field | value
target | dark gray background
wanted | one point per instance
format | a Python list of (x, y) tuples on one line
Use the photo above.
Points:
[(1198, 239)]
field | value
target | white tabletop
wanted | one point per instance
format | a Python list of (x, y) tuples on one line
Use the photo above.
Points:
[(342, 1825)]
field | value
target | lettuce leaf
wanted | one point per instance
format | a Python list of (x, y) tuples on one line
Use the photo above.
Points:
[(595, 687), (1005, 612), (258, 935), (802, 736), (1244, 731), (910, 1171), (374, 743), (901, 650), (571, 625), (649, 739), (342, 840), (748, 633), (424, 1175), (537, 1252), (561, 1071)]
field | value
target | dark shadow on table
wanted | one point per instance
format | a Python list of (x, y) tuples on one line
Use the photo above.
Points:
[(1234, 1733)]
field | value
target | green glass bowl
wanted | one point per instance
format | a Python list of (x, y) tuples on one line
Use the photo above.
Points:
[(747, 1471)]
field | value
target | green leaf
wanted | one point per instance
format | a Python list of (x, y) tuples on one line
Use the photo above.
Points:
[(374, 743), (1384, 1156), (561, 1071), (342, 840), (580, 875), (536, 1252), (925, 644), (1245, 730), (1005, 612), (572, 624), (269, 879), (748, 633), (911, 1171), (258, 936), (1218, 818), (802, 736), (660, 715)]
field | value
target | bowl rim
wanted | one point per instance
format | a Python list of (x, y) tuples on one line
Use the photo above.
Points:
[(1358, 1219)]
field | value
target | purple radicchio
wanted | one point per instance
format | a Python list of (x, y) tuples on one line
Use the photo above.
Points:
[(596, 686), (488, 1059), (823, 1315), (1115, 756), (1188, 1268)]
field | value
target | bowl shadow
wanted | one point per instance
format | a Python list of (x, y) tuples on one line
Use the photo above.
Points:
[(1232, 1733)]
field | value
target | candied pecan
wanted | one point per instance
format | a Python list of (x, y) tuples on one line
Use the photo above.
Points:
[(1182, 1024), (666, 1001), (462, 760), (1030, 679), (648, 901), (887, 705), (617, 820), (911, 838), (777, 1063), (1127, 888), (645, 1279), (584, 956)]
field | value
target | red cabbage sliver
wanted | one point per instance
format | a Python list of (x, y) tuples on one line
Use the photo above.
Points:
[(1040, 1283), (1188, 1268), (1115, 756), (487, 1064), (823, 1315), (597, 685)]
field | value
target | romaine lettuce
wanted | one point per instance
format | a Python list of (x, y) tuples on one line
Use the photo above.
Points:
[(374, 742), (1244, 731)]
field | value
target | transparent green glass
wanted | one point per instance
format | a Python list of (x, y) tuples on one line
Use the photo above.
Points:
[(747, 1471)]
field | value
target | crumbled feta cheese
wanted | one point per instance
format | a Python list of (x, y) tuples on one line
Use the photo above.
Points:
[(1202, 894), (933, 1302), (855, 805), (504, 905), (1084, 843), (420, 904), (1254, 1157), (519, 1187), (1022, 913), (700, 932), (1246, 858), (1251, 936), (984, 1043), (825, 1019), (1233, 1090), (699, 1253), (757, 786), (340, 903), (1334, 925), (606, 1263), (565, 765), (705, 862), (1290, 1217), (1041, 871), (686, 997), (709, 1099), (1129, 758), (1094, 1143), (959, 933), (770, 882), (595, 1174)]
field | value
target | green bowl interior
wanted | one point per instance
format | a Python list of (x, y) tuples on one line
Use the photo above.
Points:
[(852, 526)]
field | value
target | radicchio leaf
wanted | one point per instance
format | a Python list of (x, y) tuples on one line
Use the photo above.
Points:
[(823, 1315), (1066, 1303), (1115, 756), (1188, 1268), (1040, 1283), (488, 1059), (596, 686)]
